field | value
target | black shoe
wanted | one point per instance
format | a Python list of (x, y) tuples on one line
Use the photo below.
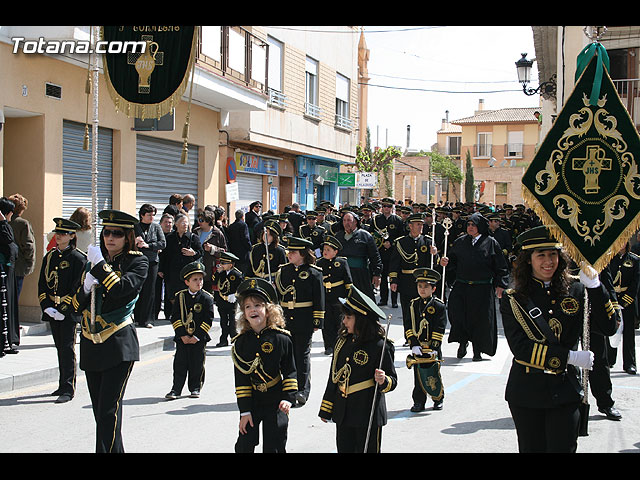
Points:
[(222, 344), (56, 393), (417, 407), (394, 305), (611, 413), (462, 350), (631, 370), (382, 304), (477, 357), (172, 395), (64, 398), (437, 405), (328, 351), (300, 398), (12, 350), (195, 394)]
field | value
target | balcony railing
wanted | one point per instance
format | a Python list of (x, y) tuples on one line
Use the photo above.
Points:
[(236, 54), (629, 91), (513, 150)]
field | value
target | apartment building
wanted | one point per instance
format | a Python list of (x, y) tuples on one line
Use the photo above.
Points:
[(294, 150), (501, 144), (44, 109)]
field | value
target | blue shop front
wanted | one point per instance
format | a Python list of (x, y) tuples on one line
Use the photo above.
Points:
[(317, 180)]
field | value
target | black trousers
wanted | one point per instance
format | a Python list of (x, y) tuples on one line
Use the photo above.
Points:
[(106, 390), (275, 425), (331, 324), (227, 324), (599, 376), (628, 343), (145, 309), (302, 356), (352, 439), (64, 338), (547, 430), (188, 366), (384, 286)]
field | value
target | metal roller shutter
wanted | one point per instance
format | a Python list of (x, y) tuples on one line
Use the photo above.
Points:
[(76, 168), (249, 189), (159, 173)]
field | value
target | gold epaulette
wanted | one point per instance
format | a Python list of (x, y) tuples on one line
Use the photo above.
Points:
[(135, 252)]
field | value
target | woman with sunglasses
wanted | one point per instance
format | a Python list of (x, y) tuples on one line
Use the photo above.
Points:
[(109, 343)]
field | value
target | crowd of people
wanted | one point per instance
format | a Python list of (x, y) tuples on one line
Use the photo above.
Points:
[(276, 278)]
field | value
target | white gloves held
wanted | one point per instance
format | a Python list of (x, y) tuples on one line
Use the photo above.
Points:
[(89, 281), (94, 255), (53, 313), (231, 298), (416, 350), (581, 358), (590, 279)]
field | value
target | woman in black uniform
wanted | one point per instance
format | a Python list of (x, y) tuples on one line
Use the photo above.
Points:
[(109, 345), (543, 318), (60, 276), (355, 377), (301, 293), (277, 254)]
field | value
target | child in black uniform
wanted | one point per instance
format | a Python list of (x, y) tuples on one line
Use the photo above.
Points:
[(265, 371), (192, 318), (226, 279)]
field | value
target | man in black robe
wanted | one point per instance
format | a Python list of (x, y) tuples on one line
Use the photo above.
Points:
[(475, 267)]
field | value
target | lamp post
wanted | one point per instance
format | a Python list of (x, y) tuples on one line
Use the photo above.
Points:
[(523, 67)]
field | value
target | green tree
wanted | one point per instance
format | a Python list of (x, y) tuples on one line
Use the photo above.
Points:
[(443, 165), (379, 161), (469, 182)]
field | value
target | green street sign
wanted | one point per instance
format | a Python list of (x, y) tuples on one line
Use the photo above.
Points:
[(346, 179)]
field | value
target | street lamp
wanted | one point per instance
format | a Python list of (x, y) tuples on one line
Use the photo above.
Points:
[(523, 67)]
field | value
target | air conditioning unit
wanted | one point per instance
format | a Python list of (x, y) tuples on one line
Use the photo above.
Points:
[(492, 162)]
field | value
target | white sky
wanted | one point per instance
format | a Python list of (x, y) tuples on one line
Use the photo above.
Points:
[(421, 63)]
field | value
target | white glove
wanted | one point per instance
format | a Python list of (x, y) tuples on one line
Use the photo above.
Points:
[(51, 312), (586, 279), (581, 358), (94, 255), (416, 350), (58, 316), (231, 298), (89, 280), (318, 252)]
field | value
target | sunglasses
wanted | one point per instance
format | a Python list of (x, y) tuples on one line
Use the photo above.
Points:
[(114, 233)]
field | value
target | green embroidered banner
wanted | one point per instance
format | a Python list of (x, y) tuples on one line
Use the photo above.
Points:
[(149, 84), (583, 181)]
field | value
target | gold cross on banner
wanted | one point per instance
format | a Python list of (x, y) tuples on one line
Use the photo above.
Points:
[(592, 165)]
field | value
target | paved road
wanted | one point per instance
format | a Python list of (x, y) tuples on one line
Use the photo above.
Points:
[(475, 418)]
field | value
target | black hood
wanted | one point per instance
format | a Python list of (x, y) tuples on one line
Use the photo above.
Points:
[(481, 222)]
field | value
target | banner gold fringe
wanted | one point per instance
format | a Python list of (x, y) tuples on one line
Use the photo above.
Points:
[(152, 110), (572, 250)]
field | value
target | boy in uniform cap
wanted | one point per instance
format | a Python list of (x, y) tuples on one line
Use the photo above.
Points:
[(313, 232), (424, 330), (192, 318), (60, 276), (264, 368), (226, 280), (337, 280)]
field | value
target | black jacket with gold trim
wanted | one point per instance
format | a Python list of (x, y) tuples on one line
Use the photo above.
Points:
[(120, 281), (348, 397), (192, 314), (264, 368), (425, 328), (314, 235), (259, 267), (408, 254), (540, 376), (625, 271), (60, 277), (301, 296), (225, 283), (336, 277)]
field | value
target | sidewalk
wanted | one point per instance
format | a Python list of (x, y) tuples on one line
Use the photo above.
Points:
[(37, 362)]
